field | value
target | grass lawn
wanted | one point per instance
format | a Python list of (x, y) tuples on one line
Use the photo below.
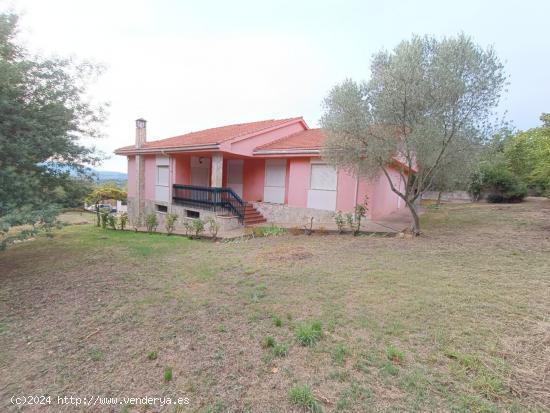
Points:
[(457, 320)]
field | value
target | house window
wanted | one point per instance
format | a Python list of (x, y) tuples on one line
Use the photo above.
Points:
[(161, 208), (323, 177), (322, 187), (162, 175), (192, 214)]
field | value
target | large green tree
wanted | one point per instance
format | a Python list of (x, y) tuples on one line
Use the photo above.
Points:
[(427, 103), (528, 156), (44, 112)]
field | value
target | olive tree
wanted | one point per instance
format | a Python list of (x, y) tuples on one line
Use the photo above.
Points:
[(427, 104)]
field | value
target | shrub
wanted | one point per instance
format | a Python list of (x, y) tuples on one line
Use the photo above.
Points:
[(187, 227), (123, 220), (170, 222), (151, 222), (213, 227), (309, 333), (501, 185), (103, 219), (197, 226), (111, 221), (168, 374), (302, 395), (340, 222)]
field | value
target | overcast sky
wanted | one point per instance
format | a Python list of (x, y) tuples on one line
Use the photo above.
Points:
[(191, 65)]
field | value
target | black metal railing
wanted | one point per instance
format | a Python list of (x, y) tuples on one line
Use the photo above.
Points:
[(213, 199)]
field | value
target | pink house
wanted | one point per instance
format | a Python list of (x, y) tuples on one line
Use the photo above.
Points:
[(248, 173)]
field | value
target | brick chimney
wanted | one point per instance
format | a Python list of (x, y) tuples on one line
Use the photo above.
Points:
[(141, 132)]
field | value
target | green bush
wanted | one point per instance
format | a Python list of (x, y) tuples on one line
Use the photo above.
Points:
[(501, 185), (123, 220), (112, 221), (197, 226), (103, 215), (151, 222), (170, 222), (340, 222), (213, 227)]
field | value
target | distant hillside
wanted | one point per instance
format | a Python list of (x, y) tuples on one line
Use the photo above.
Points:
[(110, 176)]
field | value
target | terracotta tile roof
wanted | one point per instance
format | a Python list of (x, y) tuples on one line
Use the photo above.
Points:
[(213, 135), (307, 139)]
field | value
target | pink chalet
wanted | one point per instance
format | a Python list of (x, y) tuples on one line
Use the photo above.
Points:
[(246, 174)]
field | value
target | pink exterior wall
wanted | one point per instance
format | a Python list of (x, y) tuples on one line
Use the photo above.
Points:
[(150, 165), (346, 192), (298, 172), (131, 176), (253, 179), (382, 200), (247, 146), (182, 169)]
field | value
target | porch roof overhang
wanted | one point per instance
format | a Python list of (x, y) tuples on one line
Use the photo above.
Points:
[(165, 150)]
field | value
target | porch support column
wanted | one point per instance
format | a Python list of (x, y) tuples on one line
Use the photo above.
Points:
[(140, 191), (217, 170)]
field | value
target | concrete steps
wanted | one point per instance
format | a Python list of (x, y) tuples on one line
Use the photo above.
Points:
[(252, 216)]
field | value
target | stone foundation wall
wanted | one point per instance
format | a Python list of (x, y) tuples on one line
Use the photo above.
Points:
[(227, 223), (287, 215), (454, 196)]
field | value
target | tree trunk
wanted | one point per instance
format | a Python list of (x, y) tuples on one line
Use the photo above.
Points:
[(415, 229), (439, 198), (97, 214)]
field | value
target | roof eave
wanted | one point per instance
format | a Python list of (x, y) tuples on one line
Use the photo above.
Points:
[(168, 149), (298, 151)]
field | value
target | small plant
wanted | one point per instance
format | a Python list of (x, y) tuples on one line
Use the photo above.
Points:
[(302, 395), (103, 219), (394, 354), (389, 368), (280, 350), (187, 227), (197, 226), (309, 333), (354, 221), (152, 355), (277, 322), (268, 231), (269, 342), (308, 228), (168, 374), (111, 221), (213, 227), (151, 222), (170, 222), (340, 222), (123, 220), (96, 354), (339, 354)]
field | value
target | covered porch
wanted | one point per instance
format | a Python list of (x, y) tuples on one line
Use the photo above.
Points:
[(223, 183)]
